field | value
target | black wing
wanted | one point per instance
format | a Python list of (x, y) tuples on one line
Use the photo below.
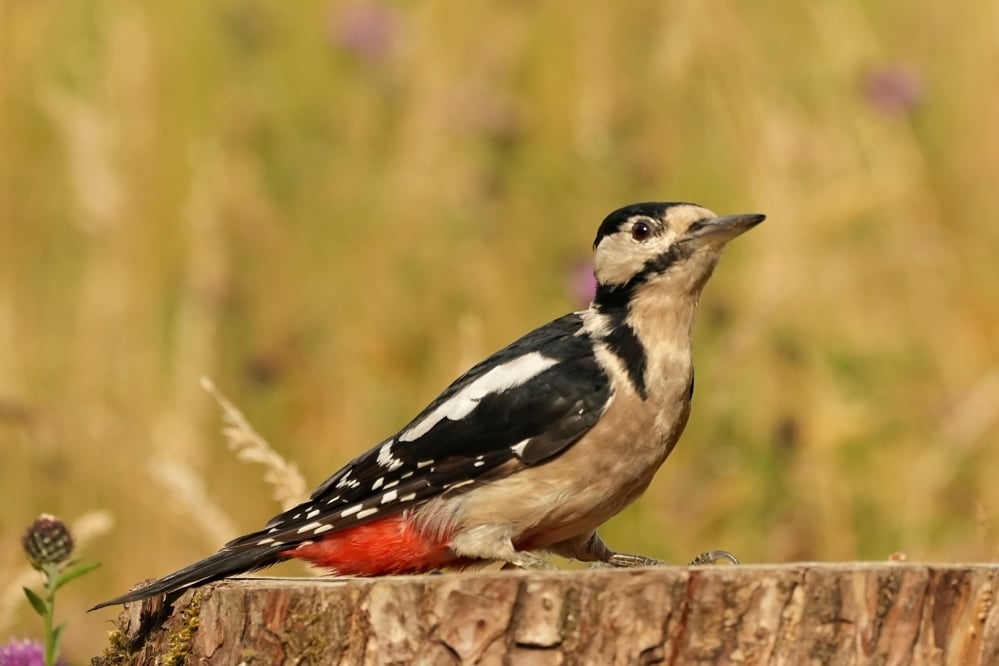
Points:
[(519, 407), (522, 405)]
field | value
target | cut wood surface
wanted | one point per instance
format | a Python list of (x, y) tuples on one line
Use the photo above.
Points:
[(789, 614)]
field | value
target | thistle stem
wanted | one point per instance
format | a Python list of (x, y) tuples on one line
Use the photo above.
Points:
[(51, 572)]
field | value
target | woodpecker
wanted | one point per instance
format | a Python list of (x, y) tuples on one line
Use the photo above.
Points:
[(534, 448)]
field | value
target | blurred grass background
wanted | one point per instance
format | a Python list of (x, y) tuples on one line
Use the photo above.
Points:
[(333, 209)]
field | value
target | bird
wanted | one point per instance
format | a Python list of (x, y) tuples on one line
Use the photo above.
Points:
[(530, 451)]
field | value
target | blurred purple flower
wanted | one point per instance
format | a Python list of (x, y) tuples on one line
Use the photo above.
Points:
[(22, 653), (893, 89), (367, 29), (485, 109), (582, 283)]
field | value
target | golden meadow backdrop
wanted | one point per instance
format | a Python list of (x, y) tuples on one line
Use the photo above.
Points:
[(332, 208)]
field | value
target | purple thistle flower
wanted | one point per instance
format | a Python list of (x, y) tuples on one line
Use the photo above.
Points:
[(893, 89), (23, 653), (367, 29)]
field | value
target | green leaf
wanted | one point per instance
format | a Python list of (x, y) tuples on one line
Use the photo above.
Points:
[(75, 572), (56, 641), (37, 602)]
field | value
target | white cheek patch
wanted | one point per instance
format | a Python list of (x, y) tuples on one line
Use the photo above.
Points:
[(512, 373), (618, 258), (614, 260)]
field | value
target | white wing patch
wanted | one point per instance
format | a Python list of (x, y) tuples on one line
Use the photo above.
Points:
[(347, 482), (387, 459), (512, 373)]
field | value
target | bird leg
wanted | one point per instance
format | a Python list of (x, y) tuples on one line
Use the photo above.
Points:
[(592, 548)]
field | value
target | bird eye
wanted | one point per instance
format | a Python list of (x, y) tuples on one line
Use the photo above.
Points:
[(641, 231)]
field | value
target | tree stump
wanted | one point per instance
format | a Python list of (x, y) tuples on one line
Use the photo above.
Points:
[(787, 614)]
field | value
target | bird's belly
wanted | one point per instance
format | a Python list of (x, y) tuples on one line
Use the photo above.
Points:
[(576, 517), (574, 493)]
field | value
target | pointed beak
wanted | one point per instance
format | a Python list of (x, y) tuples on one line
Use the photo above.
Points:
[(723, 229)]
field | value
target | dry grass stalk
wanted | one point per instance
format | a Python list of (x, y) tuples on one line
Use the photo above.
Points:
[(190, 498), (250, 447)]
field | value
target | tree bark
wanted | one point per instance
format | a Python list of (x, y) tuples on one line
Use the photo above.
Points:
[(788, 614)]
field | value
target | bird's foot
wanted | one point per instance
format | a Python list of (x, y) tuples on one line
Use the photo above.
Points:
[(527, 561), (714, 557), (627, 561), (624, 560)]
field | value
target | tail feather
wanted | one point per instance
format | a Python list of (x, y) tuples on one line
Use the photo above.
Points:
[(222, 564)]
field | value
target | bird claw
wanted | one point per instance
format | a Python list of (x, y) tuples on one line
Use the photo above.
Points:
[(622, 560), (714, 557)]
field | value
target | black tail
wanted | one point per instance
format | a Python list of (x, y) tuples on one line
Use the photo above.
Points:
[(222, 564)]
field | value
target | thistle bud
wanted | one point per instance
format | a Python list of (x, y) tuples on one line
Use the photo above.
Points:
[(47, 541)]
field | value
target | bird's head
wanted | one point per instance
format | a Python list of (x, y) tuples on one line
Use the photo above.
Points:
[(653, 244)]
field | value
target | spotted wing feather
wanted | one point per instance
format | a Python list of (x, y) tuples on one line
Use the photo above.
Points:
[(521, 406)]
